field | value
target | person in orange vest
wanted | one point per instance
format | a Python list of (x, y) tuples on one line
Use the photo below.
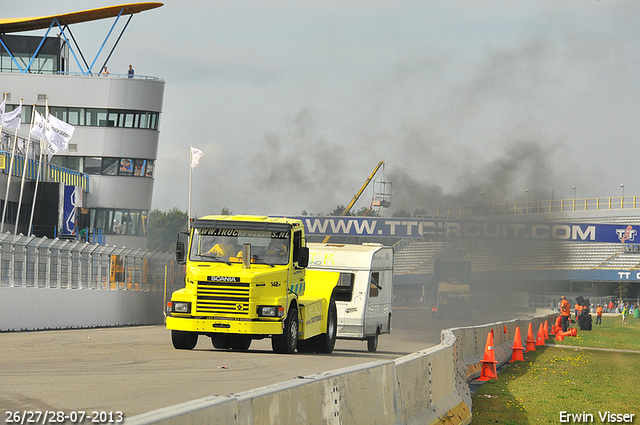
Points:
[(578, 308), (565, 313), (599, 315)]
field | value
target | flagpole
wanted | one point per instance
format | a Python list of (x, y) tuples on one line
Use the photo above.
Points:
[(4, 99), (2, 113), (43, 147), (24, 171), (190, 172), (6, 196), (35, 192)]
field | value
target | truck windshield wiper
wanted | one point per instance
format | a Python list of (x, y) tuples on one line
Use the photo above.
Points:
[(257, 260), (215, 258)]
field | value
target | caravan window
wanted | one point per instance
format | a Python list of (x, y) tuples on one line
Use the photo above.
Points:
[(344, 289), (374, 285)]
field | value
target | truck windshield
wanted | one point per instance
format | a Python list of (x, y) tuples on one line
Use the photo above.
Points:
[(225, 245)]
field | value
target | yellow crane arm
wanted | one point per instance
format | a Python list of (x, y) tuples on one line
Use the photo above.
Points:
[(357, 195)]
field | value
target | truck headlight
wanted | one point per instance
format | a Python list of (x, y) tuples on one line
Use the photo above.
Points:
[(270, 311), (181, 307)]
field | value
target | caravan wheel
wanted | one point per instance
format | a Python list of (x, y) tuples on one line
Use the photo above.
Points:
[(372, 342)]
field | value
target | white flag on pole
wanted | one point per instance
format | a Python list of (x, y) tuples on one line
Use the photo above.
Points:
[(12, 119), (196, 154), (1, 110), (38, 127), (58, 133)]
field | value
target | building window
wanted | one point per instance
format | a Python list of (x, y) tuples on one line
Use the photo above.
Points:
[(110, 166), (149, 171), (119, 222), (92, 165), (94, 117), (126, 167), (138, 167)]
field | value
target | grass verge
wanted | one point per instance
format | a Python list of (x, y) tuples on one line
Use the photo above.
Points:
[(562, 379)]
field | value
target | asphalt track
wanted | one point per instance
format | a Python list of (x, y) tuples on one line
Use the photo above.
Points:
[(136, 369)]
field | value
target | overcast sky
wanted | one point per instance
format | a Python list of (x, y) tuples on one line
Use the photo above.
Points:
[(295, 102)]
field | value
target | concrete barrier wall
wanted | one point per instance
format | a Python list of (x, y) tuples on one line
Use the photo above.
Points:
[(427, 387), (54, 308)]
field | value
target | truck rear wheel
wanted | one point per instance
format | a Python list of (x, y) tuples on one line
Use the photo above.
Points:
[(287, 342), (183, 340), (372, 342), (326, 341)]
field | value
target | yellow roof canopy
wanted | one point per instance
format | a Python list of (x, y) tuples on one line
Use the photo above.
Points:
[(43, 22)]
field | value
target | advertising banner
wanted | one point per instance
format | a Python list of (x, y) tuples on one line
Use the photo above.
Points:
[(433, 228), (72, 200)]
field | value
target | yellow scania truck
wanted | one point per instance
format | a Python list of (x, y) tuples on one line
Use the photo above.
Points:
[(245, 280)]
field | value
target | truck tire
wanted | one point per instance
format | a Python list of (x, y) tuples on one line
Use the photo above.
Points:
[(372, 342), (306, 345), (240, 343), (183, 340), (221, 342), (287, 342), (324, 343)]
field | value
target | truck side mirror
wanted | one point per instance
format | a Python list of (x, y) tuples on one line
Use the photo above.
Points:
[(180, 251), (303, 257)]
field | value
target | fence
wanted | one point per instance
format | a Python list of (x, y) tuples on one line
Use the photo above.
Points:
[(550, 206), (31, 262)]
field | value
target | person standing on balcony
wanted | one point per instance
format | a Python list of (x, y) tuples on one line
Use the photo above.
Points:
[(130, 72)]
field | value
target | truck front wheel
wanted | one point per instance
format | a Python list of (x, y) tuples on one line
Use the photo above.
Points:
[(183, 340), (286, 343), (326, 341), (240, 343), (221, 342)]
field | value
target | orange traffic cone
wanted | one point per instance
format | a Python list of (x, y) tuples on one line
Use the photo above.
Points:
[(531, 343), (489, 361), (569, 332), (558, 323), (540, 336), (546, 329), (553, 329), (559, 337), (517, 347)]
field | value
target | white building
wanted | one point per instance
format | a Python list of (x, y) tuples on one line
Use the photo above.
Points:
[(116, 119)]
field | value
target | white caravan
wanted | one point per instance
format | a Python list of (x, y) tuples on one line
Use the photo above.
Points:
[(365, 287)]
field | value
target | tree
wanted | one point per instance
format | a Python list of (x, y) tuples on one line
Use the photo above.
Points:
[(163, 229), (401, 213), (338, 211), (367, 212), (421, 212)]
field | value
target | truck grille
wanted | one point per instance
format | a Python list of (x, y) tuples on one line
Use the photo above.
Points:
[(226, 298)]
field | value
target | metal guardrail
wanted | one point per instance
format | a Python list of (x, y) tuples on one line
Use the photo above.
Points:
[(28, 261), (551, 206)]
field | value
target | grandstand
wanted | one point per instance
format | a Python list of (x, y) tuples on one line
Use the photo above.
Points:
[(605, 255)]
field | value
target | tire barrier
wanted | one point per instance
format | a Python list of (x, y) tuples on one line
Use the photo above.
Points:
[(427, 387)]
